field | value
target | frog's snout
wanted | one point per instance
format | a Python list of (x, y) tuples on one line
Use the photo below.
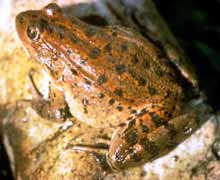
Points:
[(20, 19), (21, 23)]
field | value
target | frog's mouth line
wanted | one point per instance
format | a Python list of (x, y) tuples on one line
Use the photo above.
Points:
[(87, 147)]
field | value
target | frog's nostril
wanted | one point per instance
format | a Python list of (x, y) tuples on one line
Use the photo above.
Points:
[(20, 19)]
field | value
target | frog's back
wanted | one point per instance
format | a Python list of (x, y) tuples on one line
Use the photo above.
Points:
[(132, 69), (128, 74)]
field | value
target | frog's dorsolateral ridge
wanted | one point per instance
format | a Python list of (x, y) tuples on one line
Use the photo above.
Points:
[(111, 76)]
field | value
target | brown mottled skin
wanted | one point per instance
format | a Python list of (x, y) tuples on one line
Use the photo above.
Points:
[(110, 76)]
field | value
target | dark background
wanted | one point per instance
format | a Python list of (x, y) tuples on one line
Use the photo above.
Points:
[(196, 24)]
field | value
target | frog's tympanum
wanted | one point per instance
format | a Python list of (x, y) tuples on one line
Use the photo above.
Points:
[(112, 77)]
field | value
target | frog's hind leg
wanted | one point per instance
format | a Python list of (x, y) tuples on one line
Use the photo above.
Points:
[(135, 144), (53, 108)]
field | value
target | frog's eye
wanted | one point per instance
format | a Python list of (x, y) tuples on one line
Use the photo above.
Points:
[(33, 33)]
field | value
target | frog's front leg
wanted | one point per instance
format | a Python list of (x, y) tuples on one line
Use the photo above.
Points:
[(53, 108), (137, 142)]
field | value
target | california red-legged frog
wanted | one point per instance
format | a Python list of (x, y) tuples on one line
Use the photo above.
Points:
[(111, 77)]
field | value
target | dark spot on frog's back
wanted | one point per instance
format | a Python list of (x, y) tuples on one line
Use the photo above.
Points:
[(118, 92), (134, 60), (94, 53), (102, 79), (73, 38), (114, 34), (145, 64), (108, 47), (111, 101), (119, 108), (120, 68), (124, 47), (159, 72), (142, 81), (133, 111), (133, 73), (143, 111), (152, 91), (90, 32)]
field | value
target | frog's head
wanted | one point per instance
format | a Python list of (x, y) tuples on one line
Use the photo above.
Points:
[(33, 28)]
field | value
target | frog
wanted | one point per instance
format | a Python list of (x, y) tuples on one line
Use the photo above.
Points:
[(112, 77)]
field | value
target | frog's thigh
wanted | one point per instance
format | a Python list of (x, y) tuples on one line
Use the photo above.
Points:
[(130, 146)]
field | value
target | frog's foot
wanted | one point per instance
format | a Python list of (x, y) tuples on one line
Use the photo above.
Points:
[(53, 108), (135, 143), (98, 150)]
